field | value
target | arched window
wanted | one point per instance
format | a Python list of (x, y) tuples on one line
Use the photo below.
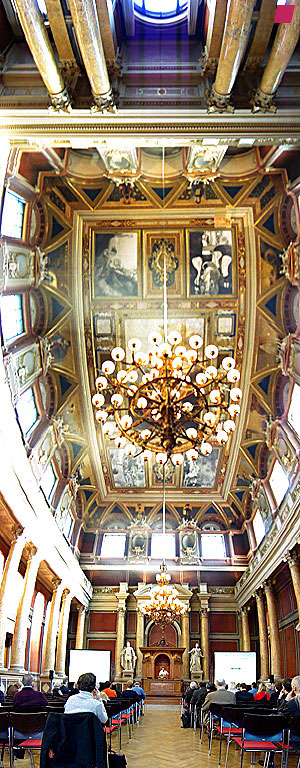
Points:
[(259, 527), (12, 321), (27, 410), (12, 216)]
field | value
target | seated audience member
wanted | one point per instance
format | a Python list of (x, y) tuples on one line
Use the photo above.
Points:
[(220, 696), (129, 693), (243, 696), (253, 688), (56, 692), (64, 687), (199, 695), (189, 691), (88, 699), (2, 699), (107, 688), (210, 687), (28, 698), (262, 694), (275, 693), (286, 688), (138, 688), (12, 689), (291, 706), (116, 687), (232, 687)]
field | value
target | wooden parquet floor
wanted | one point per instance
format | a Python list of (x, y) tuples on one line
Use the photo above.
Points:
[(160, 742)]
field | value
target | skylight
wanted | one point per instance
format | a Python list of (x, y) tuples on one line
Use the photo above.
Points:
[(158, 11)]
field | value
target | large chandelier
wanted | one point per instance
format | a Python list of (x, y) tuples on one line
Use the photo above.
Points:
[(164, 605), (173, 400)]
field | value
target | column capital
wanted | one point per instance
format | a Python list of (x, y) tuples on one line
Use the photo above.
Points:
[(55, 584), (259, 593), (81, 609), (31, 550), (65, 593), (205, 611), (291, 558), (17, 531), (244, 610), (268, 586)]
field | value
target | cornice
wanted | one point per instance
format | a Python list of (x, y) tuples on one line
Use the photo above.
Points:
[(169, 126)]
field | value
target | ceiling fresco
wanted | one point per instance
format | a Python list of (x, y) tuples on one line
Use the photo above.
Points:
[(103, 284)]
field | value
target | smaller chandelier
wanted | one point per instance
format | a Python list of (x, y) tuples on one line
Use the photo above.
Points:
[(164, 605), (171, 401)]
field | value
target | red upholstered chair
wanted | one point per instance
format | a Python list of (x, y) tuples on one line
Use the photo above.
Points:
[(28, 724), (263, 733)]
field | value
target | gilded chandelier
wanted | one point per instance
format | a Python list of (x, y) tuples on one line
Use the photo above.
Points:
[(164, 605), (172, 401)]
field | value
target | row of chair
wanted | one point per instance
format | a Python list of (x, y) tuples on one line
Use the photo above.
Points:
[(24, 730), (251, 730)]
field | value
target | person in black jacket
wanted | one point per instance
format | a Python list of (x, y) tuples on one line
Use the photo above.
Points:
[(128, 693), (243, 696), (74, 740), (199, 695)]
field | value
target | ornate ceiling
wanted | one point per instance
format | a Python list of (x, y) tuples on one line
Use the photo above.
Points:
[(99, 220)]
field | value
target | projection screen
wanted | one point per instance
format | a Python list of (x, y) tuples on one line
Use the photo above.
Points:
[(89, 661), (237, 666)]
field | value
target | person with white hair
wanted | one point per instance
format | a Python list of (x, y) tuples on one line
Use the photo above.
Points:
[(29, 699), (220, 696)]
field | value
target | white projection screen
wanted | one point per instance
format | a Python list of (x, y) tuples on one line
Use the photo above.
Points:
[(235, 667), (89, 661)]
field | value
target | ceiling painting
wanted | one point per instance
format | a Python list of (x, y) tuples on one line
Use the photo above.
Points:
[(103, 285)]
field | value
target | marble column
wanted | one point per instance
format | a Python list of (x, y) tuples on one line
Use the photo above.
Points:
[(185, 642), (63, 633), (20, 632), (120, 641), (285, 42), (275, 666), (205, 642), (245, 630), (7, 583), (39, 44), (49, 661), (88, 33), (139, 642), (251, 535), (234, 43), (80, 627), (294, 567), (263, 634), (241, 631)]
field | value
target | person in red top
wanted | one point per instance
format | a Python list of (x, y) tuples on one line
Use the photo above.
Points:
[(262, 694), (109, 690)]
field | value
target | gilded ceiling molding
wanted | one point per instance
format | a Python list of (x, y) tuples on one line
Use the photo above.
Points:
[(166, 129), (84, 15), (285, 42), (39, 44)]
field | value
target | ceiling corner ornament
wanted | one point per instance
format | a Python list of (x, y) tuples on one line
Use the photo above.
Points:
[(105, 103)]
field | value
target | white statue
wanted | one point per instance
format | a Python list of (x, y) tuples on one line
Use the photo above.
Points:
[(128, 658), (163, 673), (195, 660)]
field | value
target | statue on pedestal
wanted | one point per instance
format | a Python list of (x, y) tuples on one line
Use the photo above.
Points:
[(195, 660), (128, 658)]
